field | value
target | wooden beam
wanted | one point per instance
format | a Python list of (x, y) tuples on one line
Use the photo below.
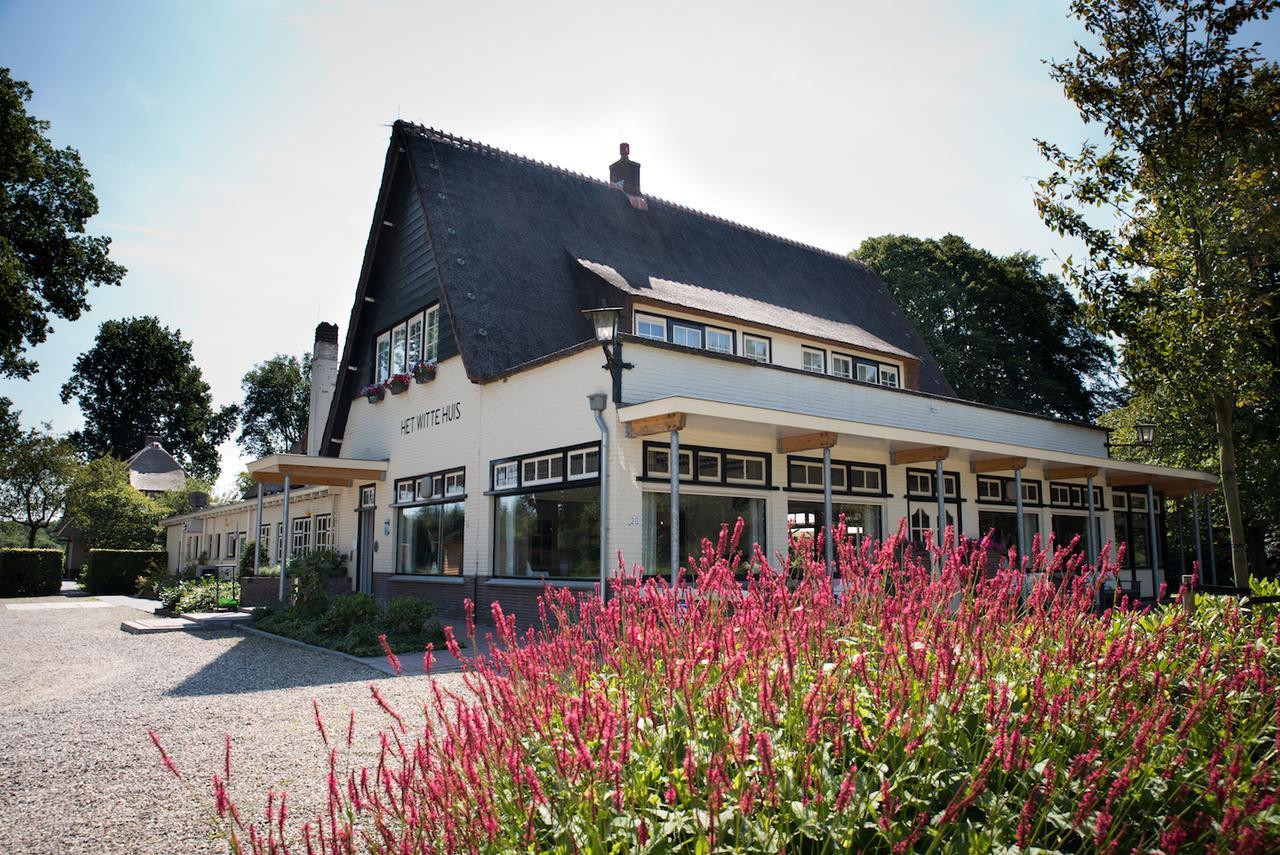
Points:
[(998, 464), (300, 471), (806, 442), (1063, 473), (919, 455), (665, 423), (1138, 480), (327, 480)]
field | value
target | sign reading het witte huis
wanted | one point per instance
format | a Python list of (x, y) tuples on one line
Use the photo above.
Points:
[(432, 418)]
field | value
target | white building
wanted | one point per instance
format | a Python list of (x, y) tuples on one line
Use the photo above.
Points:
[(759, 356)]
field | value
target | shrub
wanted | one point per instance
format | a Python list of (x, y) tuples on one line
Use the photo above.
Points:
[(116, 571), (155, 577), (407, 615), (246, 559), (200, 595), (928, 705), (268, 571), (345, 612), (312, 573), (30, 572)]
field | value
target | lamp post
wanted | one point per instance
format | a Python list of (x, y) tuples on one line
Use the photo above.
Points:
[(605, 322)]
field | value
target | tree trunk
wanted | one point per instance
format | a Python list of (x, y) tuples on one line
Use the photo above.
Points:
[(31, 536), (1223, 416)]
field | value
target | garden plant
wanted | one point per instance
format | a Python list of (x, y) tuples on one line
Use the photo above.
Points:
[(922, 701)]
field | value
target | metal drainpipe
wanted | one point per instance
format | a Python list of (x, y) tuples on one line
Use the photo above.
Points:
[(674, 465), (826, 508), (284, 547), (257, 541), (598, 402), (1154, 546)]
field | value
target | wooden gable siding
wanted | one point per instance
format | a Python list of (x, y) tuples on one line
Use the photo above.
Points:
[(402, 279)]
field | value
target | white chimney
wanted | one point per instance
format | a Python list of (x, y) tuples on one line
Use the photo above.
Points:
[(324, 379)]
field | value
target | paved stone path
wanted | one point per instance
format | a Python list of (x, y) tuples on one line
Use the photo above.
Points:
[(77, 770)]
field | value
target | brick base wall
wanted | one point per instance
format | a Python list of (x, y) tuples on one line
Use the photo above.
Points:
[(449, 596)]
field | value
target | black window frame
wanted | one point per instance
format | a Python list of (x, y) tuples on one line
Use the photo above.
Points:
[(412, 482), (564, 481), (882, 493), (695, 450), (1006, 489)]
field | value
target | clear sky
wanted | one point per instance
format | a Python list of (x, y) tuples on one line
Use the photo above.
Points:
[(236, 147)]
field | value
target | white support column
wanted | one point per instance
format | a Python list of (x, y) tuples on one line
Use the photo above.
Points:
[(942, 502), (674, 462), (1208, 524), (826, 509), (257, 540), (1195, 524), (1017, 505), (1091, 541), (1153, 546), (284, 547)]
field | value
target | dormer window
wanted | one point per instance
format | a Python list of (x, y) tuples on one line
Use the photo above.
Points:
[(842, 366), (650, 326), (686, 335), (889, 376), (815, 360), (755, 347), (721, 341)]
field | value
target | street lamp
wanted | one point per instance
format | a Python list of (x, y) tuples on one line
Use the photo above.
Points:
[(1146, 433), (604, 321)]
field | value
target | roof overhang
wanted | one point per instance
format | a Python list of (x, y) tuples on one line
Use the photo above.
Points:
[(908, 444), (316, 471)]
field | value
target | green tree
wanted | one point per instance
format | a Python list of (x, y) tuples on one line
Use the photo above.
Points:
[(1178, 206), (107, 509), (177, 502), (47, 262), (139, 378), (277, 399), (1003, 331), (35, 471)]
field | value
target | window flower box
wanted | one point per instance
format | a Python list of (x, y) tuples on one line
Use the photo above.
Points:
[(424, 372), (398, 383), (375, 392)]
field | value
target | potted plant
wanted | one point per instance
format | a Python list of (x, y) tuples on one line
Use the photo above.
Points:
[(398, 383), (375, 392), (423, 371)]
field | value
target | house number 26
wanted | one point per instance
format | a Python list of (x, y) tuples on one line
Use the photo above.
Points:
[(633, 521)]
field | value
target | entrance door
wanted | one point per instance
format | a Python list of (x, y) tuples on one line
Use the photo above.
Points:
[(364, 552)]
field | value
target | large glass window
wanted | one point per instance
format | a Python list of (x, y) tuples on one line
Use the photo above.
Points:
[(1067, 526), (552, 532), (860, 521), (429, 539), (700, 517), (1002, 526), (415, 340)]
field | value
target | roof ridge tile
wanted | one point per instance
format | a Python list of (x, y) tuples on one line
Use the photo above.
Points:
[(484, 148)]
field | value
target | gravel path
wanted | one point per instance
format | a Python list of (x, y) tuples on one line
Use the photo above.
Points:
[(77, 770)]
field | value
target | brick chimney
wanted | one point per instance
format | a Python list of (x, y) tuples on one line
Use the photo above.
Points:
[(324, 379), (625, 173)]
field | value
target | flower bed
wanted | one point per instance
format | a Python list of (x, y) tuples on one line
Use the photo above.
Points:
[(925, 708), (353, 624), (199, 595)]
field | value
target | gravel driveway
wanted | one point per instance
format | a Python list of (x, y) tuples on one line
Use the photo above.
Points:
[(77, 770)]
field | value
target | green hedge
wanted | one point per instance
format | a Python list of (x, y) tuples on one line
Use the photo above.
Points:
[(116, 571), (30, 572)]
